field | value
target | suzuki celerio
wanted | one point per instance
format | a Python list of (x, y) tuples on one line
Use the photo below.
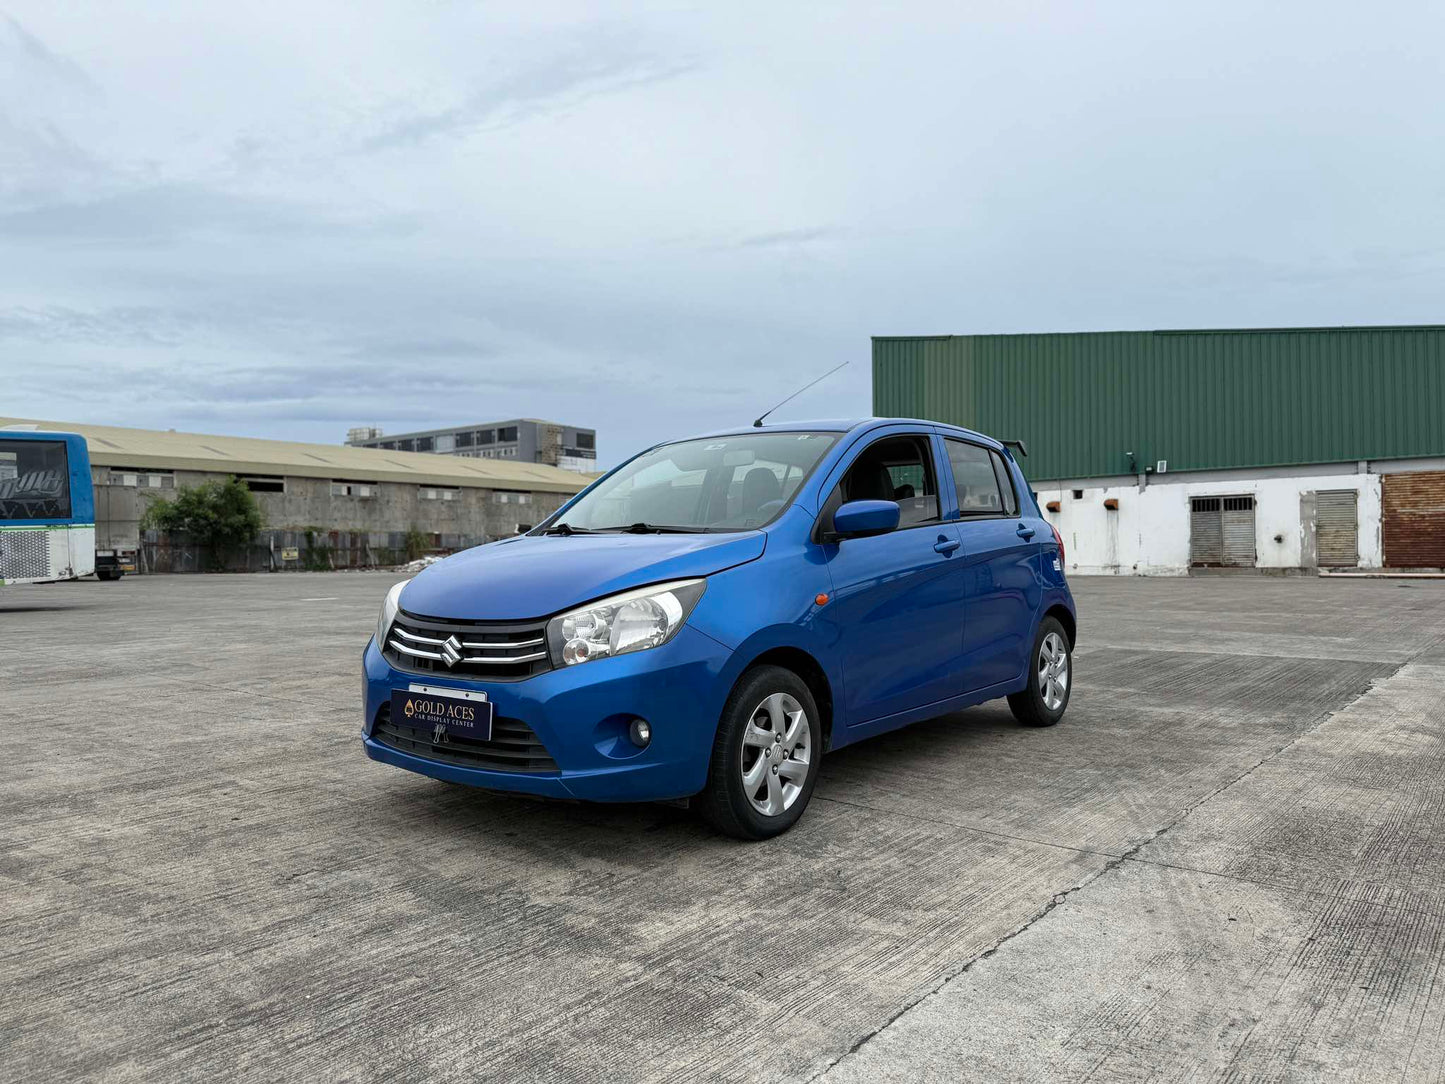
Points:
[(711, 617)]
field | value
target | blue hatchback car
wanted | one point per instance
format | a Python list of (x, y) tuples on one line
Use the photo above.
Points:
[(709, 618)]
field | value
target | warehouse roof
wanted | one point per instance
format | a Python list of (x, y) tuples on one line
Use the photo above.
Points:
[(113, 446), (1167, 331)]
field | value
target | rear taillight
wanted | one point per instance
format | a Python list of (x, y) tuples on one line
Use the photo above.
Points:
[(1060, 540)]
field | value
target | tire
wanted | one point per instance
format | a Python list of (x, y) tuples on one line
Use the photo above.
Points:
[(108, 574), (764, 704), (1046, 697)]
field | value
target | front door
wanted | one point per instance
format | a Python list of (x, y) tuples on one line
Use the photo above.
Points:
[(1000, 577), (895, 600)]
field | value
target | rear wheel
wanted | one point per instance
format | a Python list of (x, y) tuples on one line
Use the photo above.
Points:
[(1051, 673), (108, 574), (765, 757)]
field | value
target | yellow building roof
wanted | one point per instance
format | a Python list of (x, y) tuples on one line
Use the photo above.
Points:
[(113, 446)]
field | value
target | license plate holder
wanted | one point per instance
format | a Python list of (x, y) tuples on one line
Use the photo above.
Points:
[(444, 713)]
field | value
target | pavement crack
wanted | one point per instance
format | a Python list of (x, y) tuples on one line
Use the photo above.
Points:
[(1115, 861)]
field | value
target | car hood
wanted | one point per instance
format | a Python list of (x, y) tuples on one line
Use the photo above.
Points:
[(536, 576)]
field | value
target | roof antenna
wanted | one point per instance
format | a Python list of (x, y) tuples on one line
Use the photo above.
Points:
[(759, 423)]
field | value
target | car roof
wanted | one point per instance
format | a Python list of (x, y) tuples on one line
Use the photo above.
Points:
[(844, 425)]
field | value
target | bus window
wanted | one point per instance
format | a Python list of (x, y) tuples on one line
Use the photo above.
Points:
[(34, 480)]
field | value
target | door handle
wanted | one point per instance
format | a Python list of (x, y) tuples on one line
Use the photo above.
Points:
[(945, 545), (1025, 531)]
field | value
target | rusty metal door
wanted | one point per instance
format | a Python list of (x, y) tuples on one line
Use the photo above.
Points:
[(1414, 519), (1206, 537), (1336, 528), (1237, 520)]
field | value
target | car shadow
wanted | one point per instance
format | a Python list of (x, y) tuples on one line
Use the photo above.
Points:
[(941, 737), (68, 606), (529, 824)]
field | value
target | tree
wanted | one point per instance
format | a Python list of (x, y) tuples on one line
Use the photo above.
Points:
[(220, 516), (416, 544)]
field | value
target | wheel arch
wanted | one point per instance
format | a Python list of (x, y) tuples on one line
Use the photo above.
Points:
[(812, 673), (1066, 618)]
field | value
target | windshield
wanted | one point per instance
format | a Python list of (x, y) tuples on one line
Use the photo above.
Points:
[(722, 484), (34, 480)]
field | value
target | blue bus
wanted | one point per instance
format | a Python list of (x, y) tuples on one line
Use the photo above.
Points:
[(47, 507)]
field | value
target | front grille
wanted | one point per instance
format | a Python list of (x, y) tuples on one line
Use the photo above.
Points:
[(513, 747), (484, 650)]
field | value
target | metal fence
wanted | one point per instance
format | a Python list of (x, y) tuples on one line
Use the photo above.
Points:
[(293, 551)]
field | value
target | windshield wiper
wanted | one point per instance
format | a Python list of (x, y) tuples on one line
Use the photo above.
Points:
[(654, 528), (566, 528)]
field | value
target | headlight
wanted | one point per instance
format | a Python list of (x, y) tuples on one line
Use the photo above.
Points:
[(624, 623), (388, 613)]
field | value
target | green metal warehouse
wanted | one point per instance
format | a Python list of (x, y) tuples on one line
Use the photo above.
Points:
[(1269, 448)]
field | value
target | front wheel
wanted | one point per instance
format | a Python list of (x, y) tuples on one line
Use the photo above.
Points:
[(765, 757), (1051, 672)]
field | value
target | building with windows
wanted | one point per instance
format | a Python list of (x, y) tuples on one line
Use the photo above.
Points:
[(528, 440), (362, 505), (1166, 452)]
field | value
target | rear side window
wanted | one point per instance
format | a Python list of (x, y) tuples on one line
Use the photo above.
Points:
[(1005, 485), (896, 469), (982, 480)]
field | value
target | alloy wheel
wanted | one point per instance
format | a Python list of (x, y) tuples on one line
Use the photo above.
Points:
[(1053, 671), (776, 750)]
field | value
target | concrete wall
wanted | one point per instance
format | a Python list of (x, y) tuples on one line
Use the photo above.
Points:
[(474, 514), (1149, 534)]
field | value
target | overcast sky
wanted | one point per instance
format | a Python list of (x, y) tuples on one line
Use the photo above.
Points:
[(658, 218)]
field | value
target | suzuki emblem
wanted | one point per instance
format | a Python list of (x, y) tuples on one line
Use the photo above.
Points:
[(451, 650)]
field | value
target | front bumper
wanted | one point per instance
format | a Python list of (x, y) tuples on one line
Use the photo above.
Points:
[(581, 714)]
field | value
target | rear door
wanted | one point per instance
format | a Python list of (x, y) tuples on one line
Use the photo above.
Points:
[(1000, 555)]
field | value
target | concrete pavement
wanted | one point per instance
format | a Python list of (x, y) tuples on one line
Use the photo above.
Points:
[(1227, 859)]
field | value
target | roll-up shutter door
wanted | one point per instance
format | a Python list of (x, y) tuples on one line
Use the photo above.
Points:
[(1413, 523), (1206, 540), (1336, 529), (1237, 521)]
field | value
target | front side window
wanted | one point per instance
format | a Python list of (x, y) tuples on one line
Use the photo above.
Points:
[(733, 483), (976, 479), (34, 480), (895, 469)]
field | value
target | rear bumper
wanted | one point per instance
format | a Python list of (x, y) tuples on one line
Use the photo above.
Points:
[(581, 714), (124, 560)]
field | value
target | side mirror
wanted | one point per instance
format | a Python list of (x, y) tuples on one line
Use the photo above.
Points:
[(858, 519)]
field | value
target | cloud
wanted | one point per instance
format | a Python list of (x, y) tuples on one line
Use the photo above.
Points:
[(29, 50), (167, 214), (669, 219), (136, 326), (591, 62), (788, 238)]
